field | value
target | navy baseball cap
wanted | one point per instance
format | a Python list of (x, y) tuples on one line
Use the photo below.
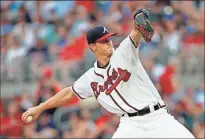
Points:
[(98, 33)]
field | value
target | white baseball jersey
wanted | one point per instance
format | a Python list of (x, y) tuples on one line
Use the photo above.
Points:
[(123, 86)]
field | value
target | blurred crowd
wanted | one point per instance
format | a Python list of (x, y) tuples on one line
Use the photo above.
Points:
[(44, 42)]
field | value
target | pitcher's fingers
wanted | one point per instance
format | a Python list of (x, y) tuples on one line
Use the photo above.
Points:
[(25, 116)]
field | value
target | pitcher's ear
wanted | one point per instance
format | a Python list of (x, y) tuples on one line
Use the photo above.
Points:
[(92, 47)]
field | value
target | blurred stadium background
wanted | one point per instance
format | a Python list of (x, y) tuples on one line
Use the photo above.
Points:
[(43, 49)]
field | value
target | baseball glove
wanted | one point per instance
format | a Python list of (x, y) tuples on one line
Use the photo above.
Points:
[(141, 18)]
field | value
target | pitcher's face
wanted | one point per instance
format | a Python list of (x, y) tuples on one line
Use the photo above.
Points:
[(103, 47)]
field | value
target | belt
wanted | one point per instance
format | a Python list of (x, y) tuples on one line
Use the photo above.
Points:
[(144, 111)]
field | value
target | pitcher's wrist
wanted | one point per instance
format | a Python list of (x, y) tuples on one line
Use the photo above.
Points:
[(41, 106)]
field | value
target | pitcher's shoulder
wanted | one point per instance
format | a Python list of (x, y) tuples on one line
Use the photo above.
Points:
[(90, 71)]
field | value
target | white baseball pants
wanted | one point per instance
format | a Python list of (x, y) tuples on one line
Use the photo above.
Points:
[(158, 124)]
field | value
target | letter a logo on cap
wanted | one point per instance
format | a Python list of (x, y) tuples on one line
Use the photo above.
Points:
[(105, 30)]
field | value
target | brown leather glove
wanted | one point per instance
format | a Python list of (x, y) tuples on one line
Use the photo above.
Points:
[(141, 18)]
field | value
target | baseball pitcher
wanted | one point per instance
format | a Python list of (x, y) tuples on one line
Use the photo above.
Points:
[(120, 84)]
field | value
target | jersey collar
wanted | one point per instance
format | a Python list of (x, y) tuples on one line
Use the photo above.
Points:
[(104, 66), (99, 70)]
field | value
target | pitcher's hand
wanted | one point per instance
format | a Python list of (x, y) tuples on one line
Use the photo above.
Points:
[(34, 112)]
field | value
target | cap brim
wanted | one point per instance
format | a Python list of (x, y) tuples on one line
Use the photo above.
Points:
[(108, 35)]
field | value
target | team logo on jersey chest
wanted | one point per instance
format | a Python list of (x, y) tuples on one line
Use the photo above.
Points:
[(112, 82)]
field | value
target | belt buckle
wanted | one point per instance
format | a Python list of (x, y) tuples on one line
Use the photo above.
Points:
[(137, 113), (158, 105)]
